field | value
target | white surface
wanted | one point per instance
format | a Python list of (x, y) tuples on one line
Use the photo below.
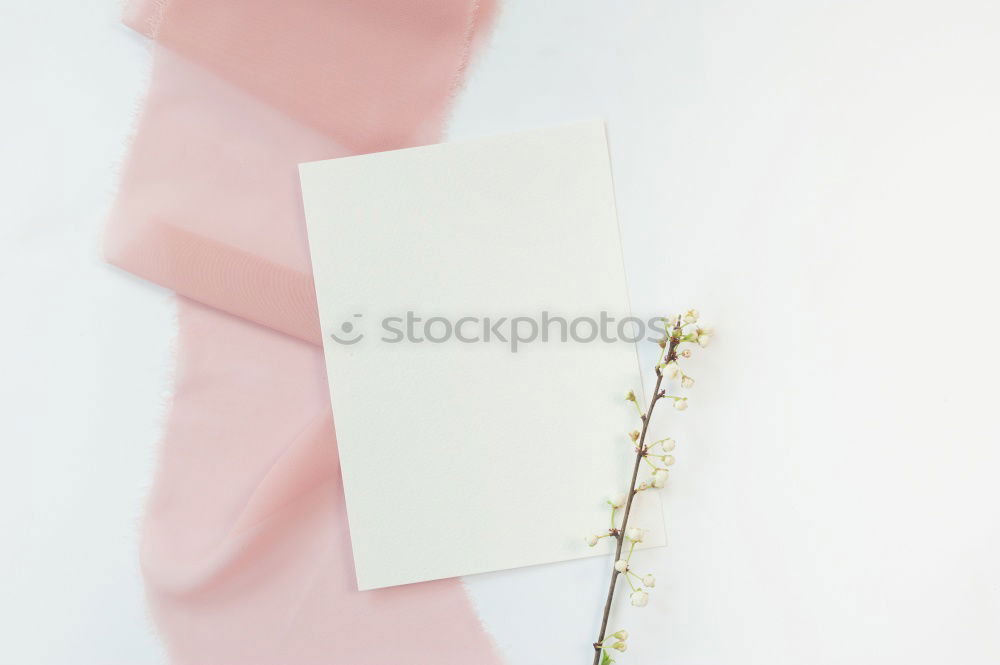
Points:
[(819, 178), (484, 446), (85, 351)]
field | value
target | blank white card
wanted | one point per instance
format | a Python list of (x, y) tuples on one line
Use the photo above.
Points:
[(462, 450)]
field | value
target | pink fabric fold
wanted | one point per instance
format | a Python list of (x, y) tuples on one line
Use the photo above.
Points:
[(245, 546), (377, 74)]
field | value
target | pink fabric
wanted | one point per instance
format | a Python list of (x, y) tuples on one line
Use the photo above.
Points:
[(245, 549), (209, 203)]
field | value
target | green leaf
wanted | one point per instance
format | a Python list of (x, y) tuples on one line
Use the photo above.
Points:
[(606, 659)]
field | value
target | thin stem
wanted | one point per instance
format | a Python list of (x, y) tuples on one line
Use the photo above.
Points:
[(671, 354), (637, 409)]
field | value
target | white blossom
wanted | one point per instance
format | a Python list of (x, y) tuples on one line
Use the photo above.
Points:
[(667, 367), (660, 477)]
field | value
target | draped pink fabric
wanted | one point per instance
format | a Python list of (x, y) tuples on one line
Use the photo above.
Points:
[(245, 547)]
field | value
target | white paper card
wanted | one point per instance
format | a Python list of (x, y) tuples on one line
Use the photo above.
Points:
[(463, 457)]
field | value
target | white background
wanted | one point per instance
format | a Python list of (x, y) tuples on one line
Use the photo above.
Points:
[(819, 178)]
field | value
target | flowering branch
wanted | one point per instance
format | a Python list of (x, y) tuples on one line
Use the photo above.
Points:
[(655, 455)]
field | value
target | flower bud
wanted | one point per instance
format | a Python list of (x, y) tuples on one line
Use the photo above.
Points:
[(668, 460), (681, 404), (619, 646), (592, 540), (649, 581), (639, 598), (687, 382), (621, 634), (621, 565), (660, 477), (662, 343), (635, 534), (671, 370), (667, 445), (617, 500)]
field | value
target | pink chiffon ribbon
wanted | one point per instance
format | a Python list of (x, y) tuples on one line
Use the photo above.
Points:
[(245, 547)]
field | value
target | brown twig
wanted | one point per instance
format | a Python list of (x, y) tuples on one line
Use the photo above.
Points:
[(641, 450)]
